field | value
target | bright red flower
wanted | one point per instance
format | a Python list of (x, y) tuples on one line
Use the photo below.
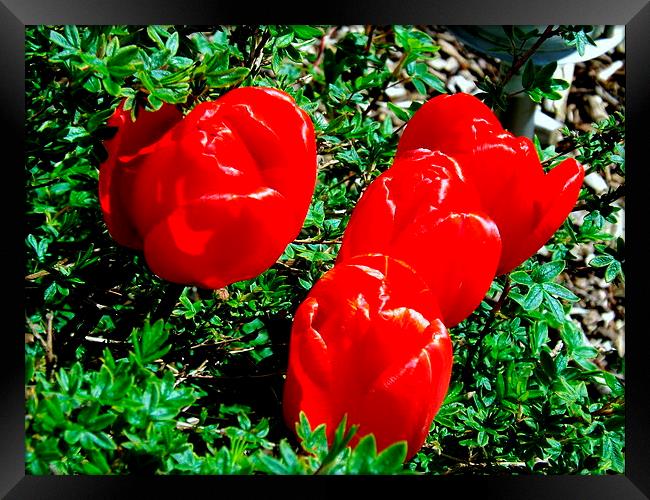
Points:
[(368, 342), (422, 211), (215, 197), (527, 204), (117, 173)]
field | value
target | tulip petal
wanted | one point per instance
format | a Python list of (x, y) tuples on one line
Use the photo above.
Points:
[(456, 255), (309, 375), (280, 137), (427, 375), (179, 172), (192, 243), (562, 187), (116, 176), (447, 123)]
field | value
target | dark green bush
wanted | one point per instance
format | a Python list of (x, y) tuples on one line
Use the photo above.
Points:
[(127, 373)]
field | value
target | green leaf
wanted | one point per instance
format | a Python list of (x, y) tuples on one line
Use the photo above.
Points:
[(434, 82), (521, 277), (532, 394), (72, 34), (612, 451), (75, 133), (391, 459), (149, 344), (552, 95), (548, 272), (63, 380), (316, 215), (93, 84), (560, 291), (601, 260), (577, 346), (101, 421), (533, 298), (72, 436), (363, 454), (61, 41), (539, 336), (613, 270), (555, 307), (172, 44), (313, 442), (400, 113), (612, 382), (111, 87), (535, 95), (284, 41), (31, 241), (306, 32), (170, 96), (545, 74), (227, 78), (419, 86), (528, 76), (289, 457), (99, 462), (560, 84), (102, 440), (152, 31), (121, 64), (156, 60), (305, 284), (273, 466), (253, 326), (50, 292), (342, 438)]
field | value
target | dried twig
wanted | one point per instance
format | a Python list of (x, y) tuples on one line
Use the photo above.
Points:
[(50, 336), (36, 333)]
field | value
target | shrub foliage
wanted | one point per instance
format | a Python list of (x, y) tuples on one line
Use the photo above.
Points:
[(127, 373)]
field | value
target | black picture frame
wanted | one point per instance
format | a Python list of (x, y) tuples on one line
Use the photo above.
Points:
[(16, 14)]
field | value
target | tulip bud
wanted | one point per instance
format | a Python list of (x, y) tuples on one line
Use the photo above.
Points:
[(368, 342), (422, 211), (219, 195), (527, 204)]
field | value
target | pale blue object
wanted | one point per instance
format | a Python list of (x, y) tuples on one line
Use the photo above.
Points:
[(488, 39)]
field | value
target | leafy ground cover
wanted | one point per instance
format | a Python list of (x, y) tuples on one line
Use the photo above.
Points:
[(126, 373)]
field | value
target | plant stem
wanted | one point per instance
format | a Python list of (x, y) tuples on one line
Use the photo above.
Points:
[(370, 31), (398, 68), (518, 62), (255, 68)]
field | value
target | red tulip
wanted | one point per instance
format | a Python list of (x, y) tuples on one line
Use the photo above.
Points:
[(368, 342), (117, 173), (422, 211), (527, 204), (216, 197)]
